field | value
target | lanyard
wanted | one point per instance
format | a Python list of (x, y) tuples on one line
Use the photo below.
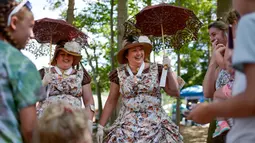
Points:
[(139, 73)]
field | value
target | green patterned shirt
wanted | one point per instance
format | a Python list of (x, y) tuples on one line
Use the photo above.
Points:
[(20, 87)]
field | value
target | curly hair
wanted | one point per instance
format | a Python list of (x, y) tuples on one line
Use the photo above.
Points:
[(60, 122), (5, 10), (232, 16)]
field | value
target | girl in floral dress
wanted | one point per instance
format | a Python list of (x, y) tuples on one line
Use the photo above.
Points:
[(66, 84), (141, 118)]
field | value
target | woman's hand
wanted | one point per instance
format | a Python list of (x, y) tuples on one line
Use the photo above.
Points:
[(100, 133), (167, 62), (219, 55), (220, 50), (201, 114), (47, 79)]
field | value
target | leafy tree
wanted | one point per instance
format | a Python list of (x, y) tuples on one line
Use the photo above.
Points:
[(100, 20)]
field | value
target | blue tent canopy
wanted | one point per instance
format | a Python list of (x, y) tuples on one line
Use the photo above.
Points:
[(195, 90)]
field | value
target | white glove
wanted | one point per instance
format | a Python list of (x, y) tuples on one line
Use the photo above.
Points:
[(47, 79), (167, 62), (90, 125), (100, 133)]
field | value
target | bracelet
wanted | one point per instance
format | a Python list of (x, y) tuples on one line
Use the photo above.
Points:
[(92, 107)]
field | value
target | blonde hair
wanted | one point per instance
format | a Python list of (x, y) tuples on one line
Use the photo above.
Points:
[(5, 10), (61, 123)]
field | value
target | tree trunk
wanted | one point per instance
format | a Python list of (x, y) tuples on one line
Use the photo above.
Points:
[(209, 45), (122, 17), (112, 36), (178, 102), (70, 12), (98, 88), (148, 2), (223, 6), (95, 77)]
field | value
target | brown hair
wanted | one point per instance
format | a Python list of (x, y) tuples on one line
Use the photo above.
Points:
[(219, 24), (231, 17), (5, 10), (61, 123)]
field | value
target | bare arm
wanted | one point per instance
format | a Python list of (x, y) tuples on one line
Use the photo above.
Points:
[(88, 99), (212, 71), (210, 79), (28, 121), (172, 87), (110, 103), (242, 105)]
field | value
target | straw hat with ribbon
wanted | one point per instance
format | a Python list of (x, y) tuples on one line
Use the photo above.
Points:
[(73, 48), (130, 42)]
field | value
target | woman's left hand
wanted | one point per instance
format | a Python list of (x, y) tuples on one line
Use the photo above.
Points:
[(201, 114), (47, 79), (166, 61)]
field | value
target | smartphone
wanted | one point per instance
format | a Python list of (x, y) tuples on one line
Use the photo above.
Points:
[(230, 38)]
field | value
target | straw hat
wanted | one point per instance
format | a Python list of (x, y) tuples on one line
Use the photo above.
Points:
[(130, 42), (73, 48)]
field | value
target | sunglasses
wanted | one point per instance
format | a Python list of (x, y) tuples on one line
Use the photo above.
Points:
[(230, 38), (25, 3)]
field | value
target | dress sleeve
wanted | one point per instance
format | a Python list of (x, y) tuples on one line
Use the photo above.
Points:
[(86, 77), (113, 76)]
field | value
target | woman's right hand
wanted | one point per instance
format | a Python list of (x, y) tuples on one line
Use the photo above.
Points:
[(47, 79), (100, 133)]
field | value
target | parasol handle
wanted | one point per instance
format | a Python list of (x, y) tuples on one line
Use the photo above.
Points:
[(50, 49), (162, 32), (164, 70)]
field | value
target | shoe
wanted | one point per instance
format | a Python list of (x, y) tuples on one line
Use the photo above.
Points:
[(221, 126)]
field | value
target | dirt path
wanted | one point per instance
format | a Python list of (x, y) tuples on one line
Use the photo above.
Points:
[(194, 134), (191, 134)]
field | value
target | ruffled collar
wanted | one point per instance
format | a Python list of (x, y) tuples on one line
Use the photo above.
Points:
[(66, 72)]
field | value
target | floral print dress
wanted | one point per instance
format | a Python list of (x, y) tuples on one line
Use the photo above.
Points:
[(63, 88), (141, 118), (223, 78)]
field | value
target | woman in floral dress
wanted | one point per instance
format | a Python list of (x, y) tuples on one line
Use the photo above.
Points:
[(66, 84), (141, 118)]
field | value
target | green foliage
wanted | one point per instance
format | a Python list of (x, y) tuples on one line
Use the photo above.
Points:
[(194, 56), (95, 19), (55, 4)]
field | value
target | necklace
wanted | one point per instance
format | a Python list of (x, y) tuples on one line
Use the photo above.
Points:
[(139, 73)]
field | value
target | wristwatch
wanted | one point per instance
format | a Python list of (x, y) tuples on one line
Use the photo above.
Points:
[(92, 107)]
